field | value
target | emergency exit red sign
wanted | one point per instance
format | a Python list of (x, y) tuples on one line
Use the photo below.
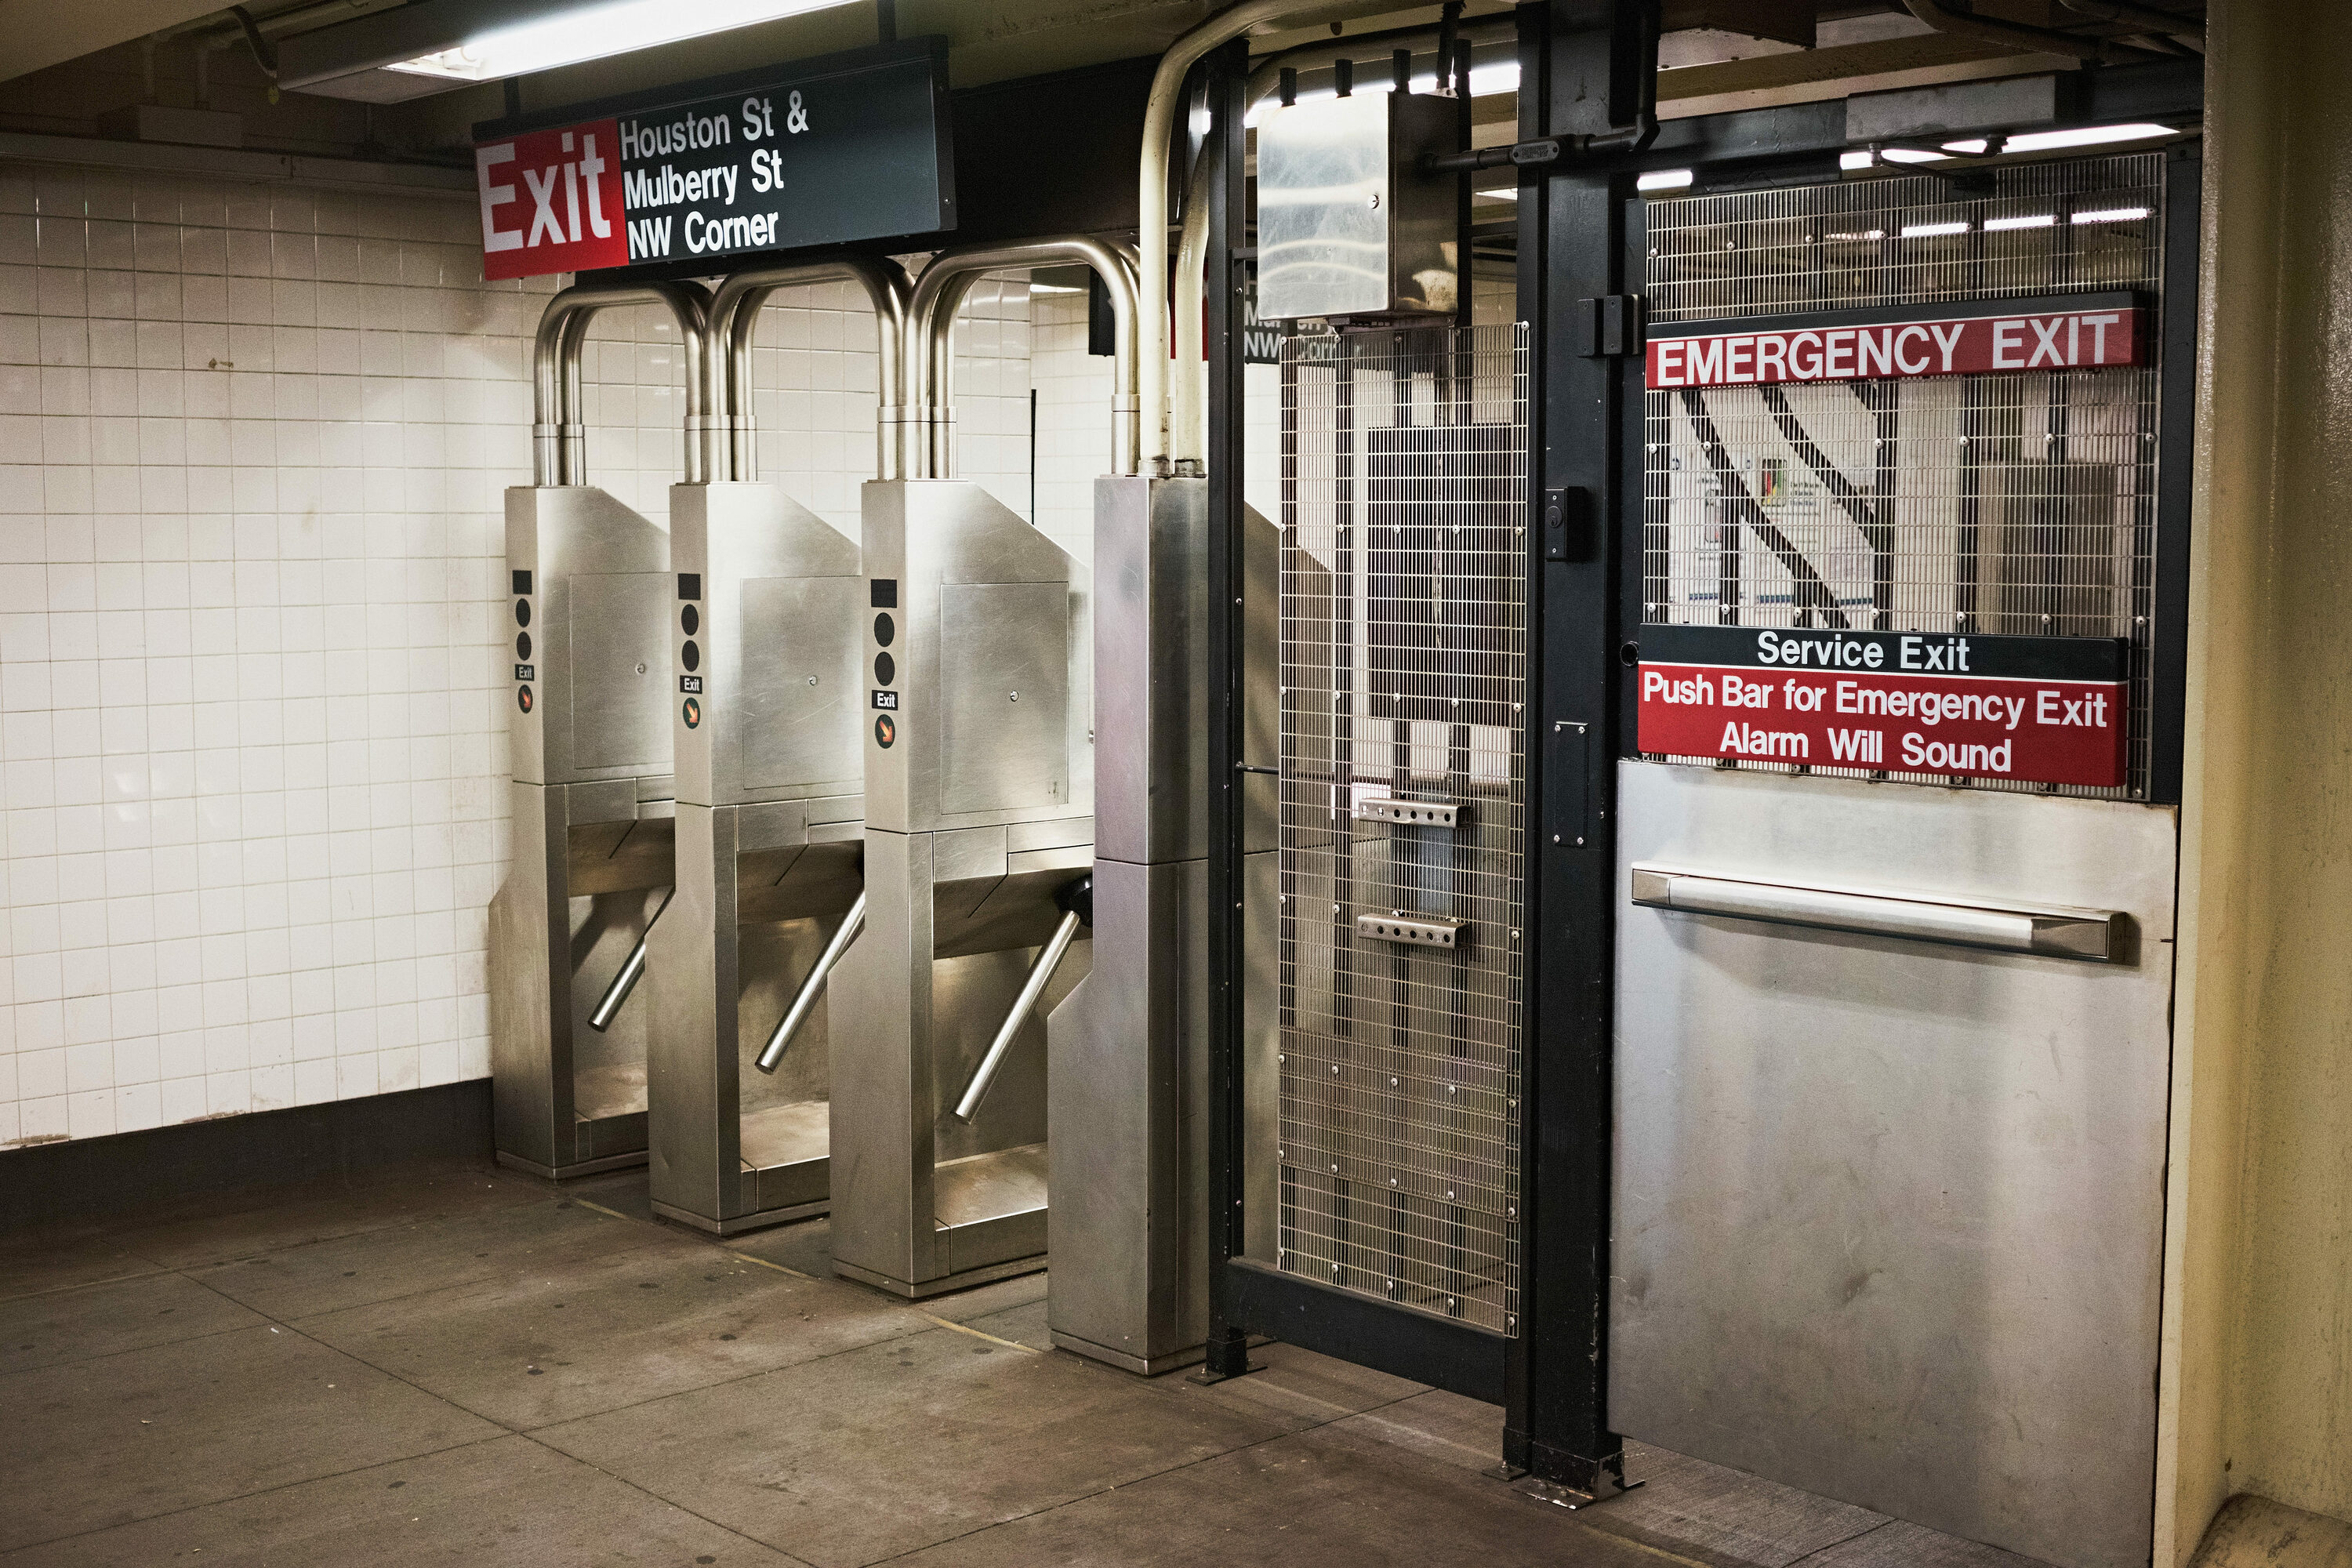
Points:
[(2069, 332), (2044, 709)]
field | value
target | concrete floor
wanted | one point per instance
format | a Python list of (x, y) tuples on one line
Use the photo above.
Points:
[(473, 1367)]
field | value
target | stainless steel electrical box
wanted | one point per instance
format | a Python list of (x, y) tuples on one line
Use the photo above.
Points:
[(1350, 225)]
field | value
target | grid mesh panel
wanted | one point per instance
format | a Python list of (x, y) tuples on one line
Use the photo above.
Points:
[(2012, 503), (1404, 670)]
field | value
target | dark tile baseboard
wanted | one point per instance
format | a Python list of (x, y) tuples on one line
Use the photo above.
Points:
[(163, 1169)]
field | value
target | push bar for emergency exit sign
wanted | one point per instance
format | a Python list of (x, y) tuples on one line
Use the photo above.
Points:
[(2053, 930)]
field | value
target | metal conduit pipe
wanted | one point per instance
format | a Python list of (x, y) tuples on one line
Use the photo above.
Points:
[(1188, 390), (930, 358), (2017, 35), (735, 319), (559, 447), (1152, 198)]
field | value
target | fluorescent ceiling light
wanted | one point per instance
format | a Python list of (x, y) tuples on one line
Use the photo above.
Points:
[(2083, 136), (2111, 214), (1664, 180), (2003, 224), (2024, 142), (1930, 230), (593, 31), (1499, 193)]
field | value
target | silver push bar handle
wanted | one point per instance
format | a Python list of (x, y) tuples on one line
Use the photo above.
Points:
[(806, 998), (1041, 974), (633, 968), (2053, 930)]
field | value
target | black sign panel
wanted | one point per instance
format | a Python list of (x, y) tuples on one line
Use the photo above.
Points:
[(806, 160), (1890, 653)]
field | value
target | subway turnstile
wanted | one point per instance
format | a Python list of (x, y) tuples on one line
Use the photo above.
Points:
[(767, 706), (1892, 1053), (591, 795), (979, 773), (1127, 1090)]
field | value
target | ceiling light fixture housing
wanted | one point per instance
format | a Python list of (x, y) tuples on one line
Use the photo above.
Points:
[(435, 46)]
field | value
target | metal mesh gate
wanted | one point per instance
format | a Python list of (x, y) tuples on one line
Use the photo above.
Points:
[(1403, 794), (2010, 502)]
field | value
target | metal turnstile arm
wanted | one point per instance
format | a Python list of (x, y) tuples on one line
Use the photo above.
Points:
[(632, 969), (1041, 974), (806, 998)]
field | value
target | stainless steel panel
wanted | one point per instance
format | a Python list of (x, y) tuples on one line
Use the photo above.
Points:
[(1349, 224), (1003, 697), (1150, 663), (557, 535), (1127, 1098), (803, 680), (617, 629), (922, 536), (1888, 1216)]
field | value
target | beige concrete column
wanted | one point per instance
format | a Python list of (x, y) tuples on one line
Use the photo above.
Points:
[(2257, 1387)]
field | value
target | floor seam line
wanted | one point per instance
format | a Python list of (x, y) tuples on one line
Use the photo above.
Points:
[(1833, 1545), (647, 1492), (259, 1492)]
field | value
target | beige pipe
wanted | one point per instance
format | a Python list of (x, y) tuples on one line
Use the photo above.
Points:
[(735, 318)]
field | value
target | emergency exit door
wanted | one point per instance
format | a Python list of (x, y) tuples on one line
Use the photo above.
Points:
[(1897, 844)]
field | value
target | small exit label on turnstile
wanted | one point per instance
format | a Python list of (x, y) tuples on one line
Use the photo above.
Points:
[(886, 700), (689, 683), (525, 673)]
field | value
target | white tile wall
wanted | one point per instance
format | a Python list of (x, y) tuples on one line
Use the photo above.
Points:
[(252, 445)]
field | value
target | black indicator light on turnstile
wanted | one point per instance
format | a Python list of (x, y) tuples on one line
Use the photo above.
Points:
[(886, 670), (523, 698), (690, 655), (522, 612), (690, 584), (885, 628), (884, 593), (523, 646), (522, 583), (691, 619)]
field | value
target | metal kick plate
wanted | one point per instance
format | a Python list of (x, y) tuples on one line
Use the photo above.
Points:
[(1417, 930), (1412, 813)]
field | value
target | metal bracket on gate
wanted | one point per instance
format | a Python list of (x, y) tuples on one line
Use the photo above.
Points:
[(1416, 931), (1412, 813), (1610, 325)]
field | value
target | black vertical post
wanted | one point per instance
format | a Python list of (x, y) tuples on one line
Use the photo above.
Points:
[(1228, 71), (1581, 63)]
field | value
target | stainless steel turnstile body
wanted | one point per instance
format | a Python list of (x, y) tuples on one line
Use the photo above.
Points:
[(764, 700), (979, 787), (1127, 1091), (591, 801), (589, 737)]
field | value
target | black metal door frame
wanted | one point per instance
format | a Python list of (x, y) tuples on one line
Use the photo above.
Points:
[(1585, 69)]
